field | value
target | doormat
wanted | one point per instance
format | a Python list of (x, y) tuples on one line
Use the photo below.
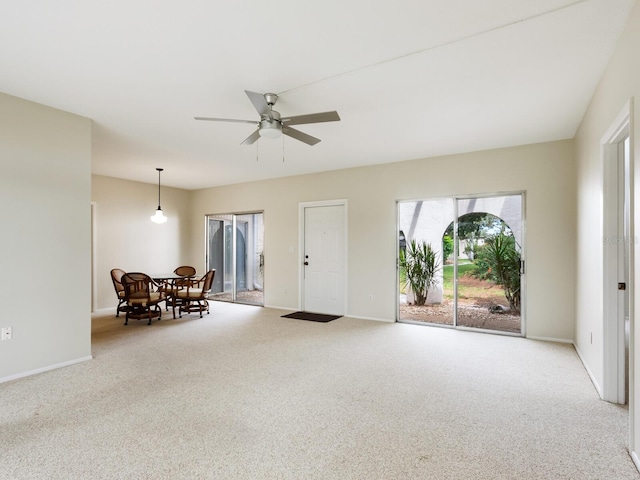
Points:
[(314, 317)]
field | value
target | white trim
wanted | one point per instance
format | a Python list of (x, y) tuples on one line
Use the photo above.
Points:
[(618, 126), (636, 460), (586, 367), (102, 311), (277, 307), (551, 339), (94, 254), (372, 319), (301, 238), (45, 369), (613, 242)]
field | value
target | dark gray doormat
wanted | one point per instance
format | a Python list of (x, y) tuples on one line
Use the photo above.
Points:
[(314, 317)]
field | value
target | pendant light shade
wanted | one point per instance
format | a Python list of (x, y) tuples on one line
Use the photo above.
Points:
[(159, 216)]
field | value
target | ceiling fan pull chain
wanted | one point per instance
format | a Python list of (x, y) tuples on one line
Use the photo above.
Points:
[(257, 148), (282, 148)]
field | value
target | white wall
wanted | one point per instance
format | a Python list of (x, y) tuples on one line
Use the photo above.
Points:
[(545, 171), (125, 236), (45, 241), (620, 82)]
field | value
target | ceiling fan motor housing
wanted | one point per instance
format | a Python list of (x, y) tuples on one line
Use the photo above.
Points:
[(271, 98)]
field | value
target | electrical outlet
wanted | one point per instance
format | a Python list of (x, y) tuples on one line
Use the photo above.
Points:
[(6, 333)]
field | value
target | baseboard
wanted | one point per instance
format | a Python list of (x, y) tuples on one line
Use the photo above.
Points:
[(375, 319), (586, 367), (45, 369), (358, 317), (104, 311), (275, 307), (636, 460), (550, 339)]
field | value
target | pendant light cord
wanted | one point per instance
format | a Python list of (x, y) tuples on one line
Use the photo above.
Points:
[(159, 170)]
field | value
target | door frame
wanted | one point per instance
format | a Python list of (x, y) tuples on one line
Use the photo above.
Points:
[(94, 257), (614, 166), (302, 206)]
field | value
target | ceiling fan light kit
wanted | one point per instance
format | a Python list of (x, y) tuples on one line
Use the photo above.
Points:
[(271, 125), (271, 128)]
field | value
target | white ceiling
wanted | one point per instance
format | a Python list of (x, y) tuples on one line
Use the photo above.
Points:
[(409, 78)]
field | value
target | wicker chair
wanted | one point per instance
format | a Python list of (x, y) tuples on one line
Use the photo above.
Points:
[(192, 297), (187, 273), (142, 297), (116, 278)]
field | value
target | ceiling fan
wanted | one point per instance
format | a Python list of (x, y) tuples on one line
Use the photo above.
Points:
[(272, 124)]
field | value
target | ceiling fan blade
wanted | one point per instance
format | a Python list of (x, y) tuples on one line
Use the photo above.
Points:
[(298, 135), (210, 119), (259, 102), (251, 138), (312, 118)]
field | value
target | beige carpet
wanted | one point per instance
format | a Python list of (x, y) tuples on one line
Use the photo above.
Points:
[(246, 394)]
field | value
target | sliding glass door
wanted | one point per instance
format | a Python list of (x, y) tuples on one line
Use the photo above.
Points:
[(235, 250), (426, 290), (489, 262), (460, 262)]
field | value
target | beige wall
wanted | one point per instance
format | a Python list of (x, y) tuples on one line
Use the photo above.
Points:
[(125, 236), (545, 171), (620, 82), (45, 242)]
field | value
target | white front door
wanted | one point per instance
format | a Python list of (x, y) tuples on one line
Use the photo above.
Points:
[(324, 259)]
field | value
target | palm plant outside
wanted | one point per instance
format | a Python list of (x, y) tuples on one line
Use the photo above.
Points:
[(499, 261), (419, 265)]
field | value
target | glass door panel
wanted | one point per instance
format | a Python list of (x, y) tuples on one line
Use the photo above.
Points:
[(425, 262), (249, 258), (218, 253), (489, 254), (235, 251)]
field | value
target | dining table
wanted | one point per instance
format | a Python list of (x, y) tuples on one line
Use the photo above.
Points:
[(167, 281), (164, 277)]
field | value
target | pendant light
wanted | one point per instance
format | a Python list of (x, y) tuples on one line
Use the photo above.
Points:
[(159, 216)]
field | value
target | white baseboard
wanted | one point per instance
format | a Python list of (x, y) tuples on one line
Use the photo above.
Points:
[(275, 307), (104, 311), (586, 367), (386, 320), (45, 369), (550, 339), (636, 460), (358, 317)]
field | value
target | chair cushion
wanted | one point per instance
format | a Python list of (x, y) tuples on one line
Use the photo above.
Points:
[(191, 293), (154, 297)]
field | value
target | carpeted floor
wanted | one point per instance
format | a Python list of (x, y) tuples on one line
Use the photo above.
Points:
[(246, 394)]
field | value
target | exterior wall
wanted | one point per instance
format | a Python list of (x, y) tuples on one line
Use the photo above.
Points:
[(45, 242), (544, 171)]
